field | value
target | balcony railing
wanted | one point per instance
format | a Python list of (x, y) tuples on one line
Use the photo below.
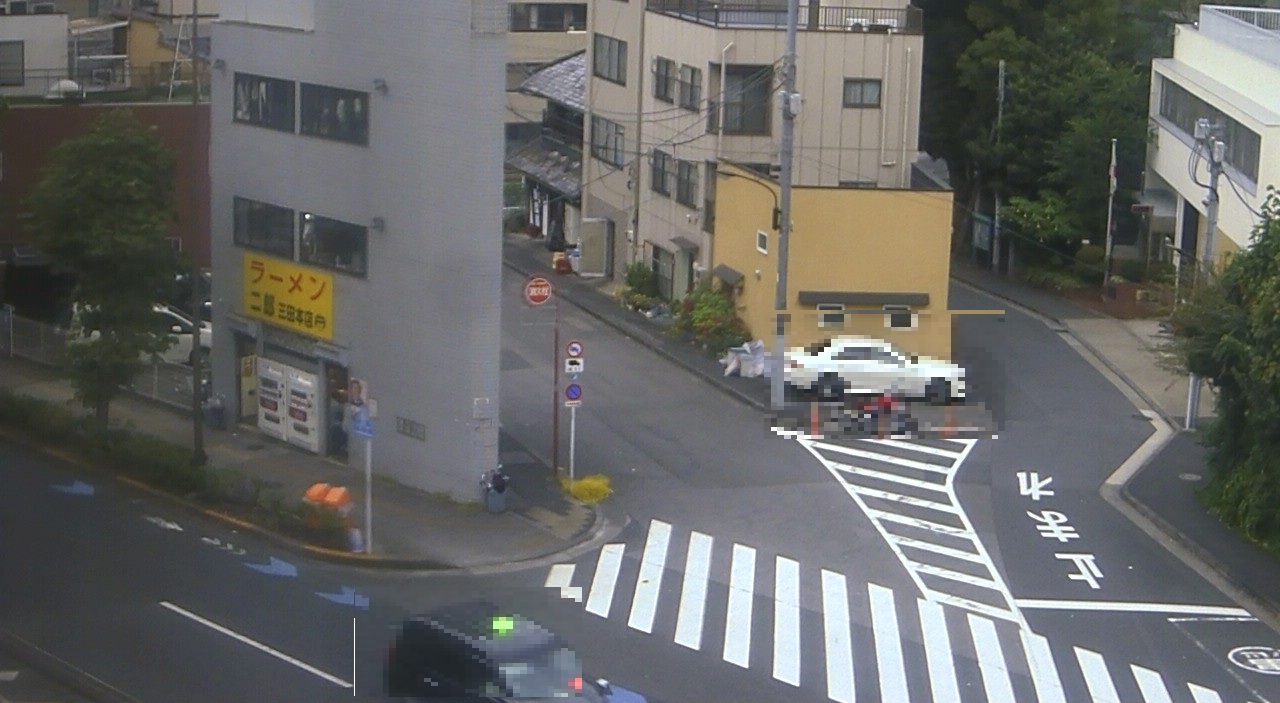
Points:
[(814, 15)]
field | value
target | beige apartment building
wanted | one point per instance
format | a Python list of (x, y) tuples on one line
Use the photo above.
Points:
[(675, 85), (540, 33)]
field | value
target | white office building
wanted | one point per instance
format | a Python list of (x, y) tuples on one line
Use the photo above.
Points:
[(356, 167)]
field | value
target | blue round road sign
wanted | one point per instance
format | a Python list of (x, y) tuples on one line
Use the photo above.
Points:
[(573, 391)]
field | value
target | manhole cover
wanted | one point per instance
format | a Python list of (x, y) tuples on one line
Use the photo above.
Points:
[(1190, 477)]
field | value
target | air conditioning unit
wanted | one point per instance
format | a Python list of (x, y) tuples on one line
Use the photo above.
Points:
[(44, 8), (18, 7)]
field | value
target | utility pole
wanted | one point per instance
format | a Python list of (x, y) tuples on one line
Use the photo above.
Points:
[(198, 456), (636, 162), (1207, 136), (995, 224), (790, 106)]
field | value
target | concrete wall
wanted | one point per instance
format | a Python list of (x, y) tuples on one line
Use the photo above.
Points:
[(423, 327), (44, 39), (844, 240), (31, 131)]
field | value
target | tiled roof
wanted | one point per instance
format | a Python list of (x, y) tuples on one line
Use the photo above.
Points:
[(556, 167), (564, 82)]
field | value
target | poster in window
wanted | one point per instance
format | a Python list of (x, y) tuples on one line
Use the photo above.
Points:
[(334, 113), (266, 102)]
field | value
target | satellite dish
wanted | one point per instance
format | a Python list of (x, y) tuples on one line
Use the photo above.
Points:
[(64, 89)]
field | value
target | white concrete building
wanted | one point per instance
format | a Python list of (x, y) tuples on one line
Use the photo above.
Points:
[(33, 51), (355, 185), (665, 75), (540, 33), (1225, 68)]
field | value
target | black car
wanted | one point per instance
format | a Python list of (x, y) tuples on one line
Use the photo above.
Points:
[(475, 649)]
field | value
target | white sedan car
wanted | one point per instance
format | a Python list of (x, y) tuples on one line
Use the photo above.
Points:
[(168, 321), (863, 366)]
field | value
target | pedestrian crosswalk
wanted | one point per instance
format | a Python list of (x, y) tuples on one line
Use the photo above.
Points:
[(843, 639)]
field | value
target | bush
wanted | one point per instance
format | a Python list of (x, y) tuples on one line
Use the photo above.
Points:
[(161, 464), (641, 279), (640, 301), (709, 317), (1088, 264), (588, 489), (1134, 270), (1052, 279)]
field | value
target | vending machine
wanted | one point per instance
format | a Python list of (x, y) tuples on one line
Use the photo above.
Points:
[(272, 385), (305, 411)]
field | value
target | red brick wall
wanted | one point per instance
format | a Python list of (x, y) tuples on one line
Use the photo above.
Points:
[(27, 133)]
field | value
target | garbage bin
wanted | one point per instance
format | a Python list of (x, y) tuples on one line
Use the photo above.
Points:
[(493, 486)]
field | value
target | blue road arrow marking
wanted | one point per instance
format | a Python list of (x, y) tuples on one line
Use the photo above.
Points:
[(348, 596), (78, 488), (277, 567)]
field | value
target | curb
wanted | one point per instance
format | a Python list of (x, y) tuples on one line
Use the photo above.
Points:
[(651, 345), (61, 671), (1204, 556)]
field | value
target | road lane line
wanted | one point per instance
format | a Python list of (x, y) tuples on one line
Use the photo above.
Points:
[(786, 620), (953, 575), (884, 626), (737, 626), (911, 446), (836, 627), (937, 651), (255, 644), (1044, 673), (605, 579), (1096, 676), (1129, 607), (940, 506), (561, 576), (1203, 695), (889, 477), (1151, 685), (887, 458), (937, 549), (991, 662), (693, 594), (916, 522), (644, 604)]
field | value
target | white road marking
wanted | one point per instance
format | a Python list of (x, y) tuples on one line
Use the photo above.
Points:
[(8, 676), (940, 506), (256, 645), (912, 446), (1203, 695), (644, 605), (916, 522), (892, 478), (560, 578), (995, 675), (693, 594), (605, 579), (884, 625), (1096, 676), (952, 575), (938, 655), (937, 549), (786, 621), (1151, 685), (1129, 607), (836, 627), (737, 626), (1044, 673), (919, 465)]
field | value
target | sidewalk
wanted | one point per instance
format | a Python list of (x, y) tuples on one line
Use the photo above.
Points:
[(1160, 491), (411, 529)]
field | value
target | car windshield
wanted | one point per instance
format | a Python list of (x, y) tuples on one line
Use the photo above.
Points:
[(551, 675)]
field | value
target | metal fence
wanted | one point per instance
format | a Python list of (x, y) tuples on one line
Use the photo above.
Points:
[(46, 344)]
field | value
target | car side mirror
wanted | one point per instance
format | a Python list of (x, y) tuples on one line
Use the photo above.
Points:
[(604, 685), (176, 329)]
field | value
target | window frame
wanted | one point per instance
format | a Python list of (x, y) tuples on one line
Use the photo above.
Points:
[(762, 242), (314, 96), (531, 22), (687, 183), (661, 173), (664, 79), (241, 236), (689, 87), (1180, 108), (860, 86), (891, 312), (749, 76), (827, 320), (614, 66), (603, 146), (360, 266), (21, 68), (242, 113), (709, 196)]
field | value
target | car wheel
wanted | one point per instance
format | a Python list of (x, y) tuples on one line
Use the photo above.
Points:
[(938, 392), (830, 387)]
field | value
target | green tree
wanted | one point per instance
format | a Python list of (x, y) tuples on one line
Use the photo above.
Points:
[(101, 211), (1229, 334)]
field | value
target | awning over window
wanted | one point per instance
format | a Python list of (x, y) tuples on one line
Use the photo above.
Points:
[(728, 274), (814, 297), (684, 243)]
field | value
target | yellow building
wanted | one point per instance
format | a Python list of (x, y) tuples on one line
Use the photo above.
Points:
[(861, 261)]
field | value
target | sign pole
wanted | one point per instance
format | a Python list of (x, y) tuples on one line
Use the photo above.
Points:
[(368, 496), (573, 438), (555, 390)]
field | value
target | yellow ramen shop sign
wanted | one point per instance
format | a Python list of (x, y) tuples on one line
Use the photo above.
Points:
[(289, 295)]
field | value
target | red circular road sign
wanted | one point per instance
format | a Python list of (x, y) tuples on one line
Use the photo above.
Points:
[(537, 290)]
